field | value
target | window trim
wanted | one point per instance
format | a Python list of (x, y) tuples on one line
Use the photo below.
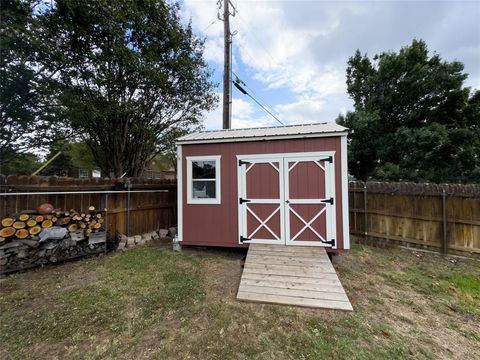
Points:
[(218, 197)]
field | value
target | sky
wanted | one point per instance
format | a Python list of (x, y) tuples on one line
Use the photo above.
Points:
[(292, 55)]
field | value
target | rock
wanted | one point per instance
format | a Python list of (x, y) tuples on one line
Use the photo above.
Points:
[(130, 242), (162, 233), (121, 245), (137, 239), (172, 231), (154, 235), (147, 237)]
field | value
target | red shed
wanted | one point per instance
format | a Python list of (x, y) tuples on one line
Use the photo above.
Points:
[(275, 185)]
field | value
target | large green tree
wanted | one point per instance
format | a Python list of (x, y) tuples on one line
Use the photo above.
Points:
[(20, 97), (413, 118), (27, 86), (132, 73)]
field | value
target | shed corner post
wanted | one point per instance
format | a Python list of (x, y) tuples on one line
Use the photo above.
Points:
[(179, 193), (345, 194)]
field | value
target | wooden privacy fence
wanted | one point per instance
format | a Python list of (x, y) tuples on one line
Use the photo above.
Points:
[(135, 206), (441, 217)]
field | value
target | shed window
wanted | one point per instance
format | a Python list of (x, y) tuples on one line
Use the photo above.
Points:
[(203, 176)]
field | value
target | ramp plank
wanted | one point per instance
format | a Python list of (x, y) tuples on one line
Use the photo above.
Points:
[(291, 275)]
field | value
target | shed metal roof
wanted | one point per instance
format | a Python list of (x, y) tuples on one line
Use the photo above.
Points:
[(264, 133)]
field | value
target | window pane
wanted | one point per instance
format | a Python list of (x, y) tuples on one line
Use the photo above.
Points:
[(203, 169), (203, 189)]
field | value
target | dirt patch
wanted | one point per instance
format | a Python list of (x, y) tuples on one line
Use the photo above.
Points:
[(79, 279)]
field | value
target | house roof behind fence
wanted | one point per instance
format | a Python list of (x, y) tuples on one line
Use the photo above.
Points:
[(265, 133)]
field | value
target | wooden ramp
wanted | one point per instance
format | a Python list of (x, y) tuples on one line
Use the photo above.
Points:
[(291, 275)]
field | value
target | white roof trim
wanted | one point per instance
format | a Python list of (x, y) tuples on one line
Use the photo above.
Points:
[(264, 133)]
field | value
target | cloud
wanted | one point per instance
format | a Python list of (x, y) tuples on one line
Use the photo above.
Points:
[(300, 48), (214, 51), (244, 114)]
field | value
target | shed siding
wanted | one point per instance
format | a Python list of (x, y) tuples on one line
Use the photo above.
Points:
[(217, 224)]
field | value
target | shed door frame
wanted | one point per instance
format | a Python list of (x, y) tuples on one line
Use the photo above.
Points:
[(282, 159)]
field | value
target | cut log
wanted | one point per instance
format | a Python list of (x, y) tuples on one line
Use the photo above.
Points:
[(97, 226), (7, 232), (31, 223), (23, 217), (7, 222), (47, 224), (18, 225), (64, 221), (54, 219), (39, 218), (81, 225), (99, 216), (72, 227), (101, 221), (21, 233), (91, 208), (35, 230)]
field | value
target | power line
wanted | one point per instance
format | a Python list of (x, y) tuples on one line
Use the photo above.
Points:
[(243, 91), (254, 93), (213, 22)]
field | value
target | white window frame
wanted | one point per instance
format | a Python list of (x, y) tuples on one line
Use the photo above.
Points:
[(190, 198)]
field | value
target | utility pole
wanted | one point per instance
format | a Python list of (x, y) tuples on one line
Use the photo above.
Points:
[(227, 60)]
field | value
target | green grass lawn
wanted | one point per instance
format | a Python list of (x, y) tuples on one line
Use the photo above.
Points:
[(153, 303)]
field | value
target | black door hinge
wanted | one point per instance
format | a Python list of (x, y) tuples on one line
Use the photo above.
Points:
[(331, 242), (241, 162), (242, 200), (329, 159), (243, 239), (330, 201)]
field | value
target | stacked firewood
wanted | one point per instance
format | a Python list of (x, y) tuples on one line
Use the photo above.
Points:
[(33, 238)]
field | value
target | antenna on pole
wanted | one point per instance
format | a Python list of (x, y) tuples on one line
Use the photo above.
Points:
[(227, 59)]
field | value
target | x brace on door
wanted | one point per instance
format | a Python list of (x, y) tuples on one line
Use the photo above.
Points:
[(308, 225), (263, 223)]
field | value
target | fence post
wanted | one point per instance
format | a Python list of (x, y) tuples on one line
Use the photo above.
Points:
[(444, 210), (128, 208), (106, 222), (365, 201)]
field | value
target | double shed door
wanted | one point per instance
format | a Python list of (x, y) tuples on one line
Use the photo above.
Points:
[(287, 199)]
